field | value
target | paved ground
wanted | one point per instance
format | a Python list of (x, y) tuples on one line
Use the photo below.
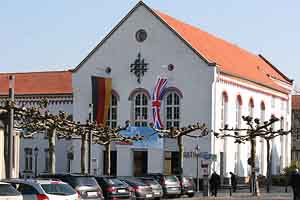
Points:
[(277, 193)]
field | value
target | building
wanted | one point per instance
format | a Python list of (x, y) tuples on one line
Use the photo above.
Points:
[(296, 128), (29, 89), (209, 80)]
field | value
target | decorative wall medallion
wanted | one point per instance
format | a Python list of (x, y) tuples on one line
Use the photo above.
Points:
[(139, 67)]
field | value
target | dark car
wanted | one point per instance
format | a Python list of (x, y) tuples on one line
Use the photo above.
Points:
[(139, 189), (169, 183), (86, 186), (187, 185), (113, 188), (156, 187)]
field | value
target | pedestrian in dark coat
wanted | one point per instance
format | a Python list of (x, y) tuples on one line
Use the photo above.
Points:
[(214, 182), (233, 179), (294, 182)]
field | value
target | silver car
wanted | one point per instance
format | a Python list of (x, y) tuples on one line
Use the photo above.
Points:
[(36, 189), (8, 192)]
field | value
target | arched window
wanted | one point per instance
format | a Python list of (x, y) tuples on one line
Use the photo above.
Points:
[(224, 109), (251, 107), (112, 112), (172, 109), (238, 111), (140, 109), (282, 144), (262, 112), (262, 147)]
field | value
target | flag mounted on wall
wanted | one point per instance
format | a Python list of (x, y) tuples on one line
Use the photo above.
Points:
[(157, 96), (101, 94)]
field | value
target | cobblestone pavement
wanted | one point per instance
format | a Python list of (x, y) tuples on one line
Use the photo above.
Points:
[(277, 193)]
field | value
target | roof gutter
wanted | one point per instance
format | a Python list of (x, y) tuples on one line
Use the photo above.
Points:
[(237, 76)]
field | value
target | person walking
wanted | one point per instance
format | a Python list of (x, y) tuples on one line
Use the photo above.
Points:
[(214, 182), (294, 182), (233, 179)]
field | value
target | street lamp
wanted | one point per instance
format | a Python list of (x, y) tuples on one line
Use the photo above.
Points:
[(90, 139), (11, 95), (36, 152), (197, 153)]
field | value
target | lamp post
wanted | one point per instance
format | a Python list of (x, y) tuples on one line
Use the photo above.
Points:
[(36, 152), (11, 95), (197, 153)]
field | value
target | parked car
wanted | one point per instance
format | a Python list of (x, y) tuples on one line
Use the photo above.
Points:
[(86, 186), (35, 189), (169, 183), (156, 187), (139, 189), (113, 188), (8, 192), (187, 185)]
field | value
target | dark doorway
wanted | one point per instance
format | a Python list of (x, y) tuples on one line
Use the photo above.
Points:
[(171, 163), (113, 163), (140, 159)]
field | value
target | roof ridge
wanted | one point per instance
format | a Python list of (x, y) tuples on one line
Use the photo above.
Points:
[(36, 72)]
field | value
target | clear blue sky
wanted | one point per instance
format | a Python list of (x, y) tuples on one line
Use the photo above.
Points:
[(38, 35)]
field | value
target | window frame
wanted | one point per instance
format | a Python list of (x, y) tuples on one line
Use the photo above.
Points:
[(110, 120), (172, 122), (140, 122)]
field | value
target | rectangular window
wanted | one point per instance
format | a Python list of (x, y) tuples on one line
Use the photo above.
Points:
[(46, 160), (273, 102), (28, 159)]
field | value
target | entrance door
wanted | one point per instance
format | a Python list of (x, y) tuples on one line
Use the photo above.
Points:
[(140, 159)]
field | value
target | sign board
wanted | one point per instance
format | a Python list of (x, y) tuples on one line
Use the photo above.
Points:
[(150, 138), (208, 156)]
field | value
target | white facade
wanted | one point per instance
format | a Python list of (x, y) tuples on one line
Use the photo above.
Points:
[(199, 85)]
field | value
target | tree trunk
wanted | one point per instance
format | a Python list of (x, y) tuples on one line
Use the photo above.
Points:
[(51, 141), (254, 181), (269, 179), (83, 153), (181, 150), (108, 158)]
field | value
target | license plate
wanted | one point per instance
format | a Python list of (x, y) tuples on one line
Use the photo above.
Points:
[(190, 191), (121, 191), (173, 188), (92, 194), (156, 192), (148, 195)]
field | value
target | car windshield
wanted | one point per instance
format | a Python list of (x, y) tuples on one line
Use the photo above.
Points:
[(58, 189), (115, 182), (171, 179), (149, 181), (84, 181), (8, 190)]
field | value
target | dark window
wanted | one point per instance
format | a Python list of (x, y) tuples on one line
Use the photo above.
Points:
[(8, 190), (59, 189), (27, 189), (141, 35)]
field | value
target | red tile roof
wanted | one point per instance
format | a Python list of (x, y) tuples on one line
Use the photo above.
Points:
[(230, 58), (296, 102), (36, 83)]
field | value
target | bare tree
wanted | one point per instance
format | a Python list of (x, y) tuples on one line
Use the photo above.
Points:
[(254, 129), (106, 135), (178, 133)]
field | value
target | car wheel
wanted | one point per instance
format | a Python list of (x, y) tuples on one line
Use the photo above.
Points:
[(191, 195)]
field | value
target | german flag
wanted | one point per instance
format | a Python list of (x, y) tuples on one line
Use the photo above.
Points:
[(101, 94)]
